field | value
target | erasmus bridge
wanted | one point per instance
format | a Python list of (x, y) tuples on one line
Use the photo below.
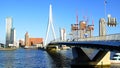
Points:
[(103, 43)]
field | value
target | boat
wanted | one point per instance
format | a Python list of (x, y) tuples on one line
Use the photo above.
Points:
[(116, 59), (30, 47)]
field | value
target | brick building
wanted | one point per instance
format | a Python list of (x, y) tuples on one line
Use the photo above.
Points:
[(32, 41), (35, 41)]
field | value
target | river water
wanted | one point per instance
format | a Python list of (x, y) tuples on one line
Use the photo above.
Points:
[(33, 58)]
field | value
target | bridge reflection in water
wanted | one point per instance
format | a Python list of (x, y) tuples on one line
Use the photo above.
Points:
[(104, 44), (62, 58)]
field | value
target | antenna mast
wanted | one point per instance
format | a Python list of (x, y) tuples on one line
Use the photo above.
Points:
[(105, 2)]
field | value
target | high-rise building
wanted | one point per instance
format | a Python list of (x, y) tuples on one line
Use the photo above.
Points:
[(8, 30), (86, 30), (13, 36), (89, 30), (102, 27), (83, 26), (26, 39), (75, 31), (10, 33), (63, 34), (111, 21)]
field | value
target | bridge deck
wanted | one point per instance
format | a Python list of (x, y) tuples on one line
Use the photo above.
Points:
[(102, 45)]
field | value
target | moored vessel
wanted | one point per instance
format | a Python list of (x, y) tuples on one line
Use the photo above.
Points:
[(116, 59)]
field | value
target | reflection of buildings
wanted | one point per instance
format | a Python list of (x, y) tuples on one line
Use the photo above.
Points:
[(8, 59), (32, 41), (10, 33)]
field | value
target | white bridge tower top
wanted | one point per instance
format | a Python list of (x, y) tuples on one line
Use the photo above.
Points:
[(50, 23)]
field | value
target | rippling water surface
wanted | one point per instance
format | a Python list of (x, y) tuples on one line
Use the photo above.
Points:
[(30, 58), (27, 58)]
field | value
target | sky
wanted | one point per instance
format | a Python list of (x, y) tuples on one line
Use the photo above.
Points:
[(32, 15)]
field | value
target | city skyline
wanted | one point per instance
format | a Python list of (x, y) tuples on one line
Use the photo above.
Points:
[(32, 16), (10, 33)]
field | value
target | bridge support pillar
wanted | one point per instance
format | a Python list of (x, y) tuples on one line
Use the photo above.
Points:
[(81, 59)]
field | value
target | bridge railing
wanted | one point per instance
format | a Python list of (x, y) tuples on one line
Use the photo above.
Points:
[(58, 40), (110, 37), (113, 37), (101, 38)]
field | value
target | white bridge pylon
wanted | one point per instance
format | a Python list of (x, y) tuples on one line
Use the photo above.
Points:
[(50, 23)]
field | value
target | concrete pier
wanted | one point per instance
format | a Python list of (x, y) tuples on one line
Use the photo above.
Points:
[(81, 59)]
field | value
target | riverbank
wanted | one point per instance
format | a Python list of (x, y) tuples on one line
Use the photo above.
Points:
[(7, 49)]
